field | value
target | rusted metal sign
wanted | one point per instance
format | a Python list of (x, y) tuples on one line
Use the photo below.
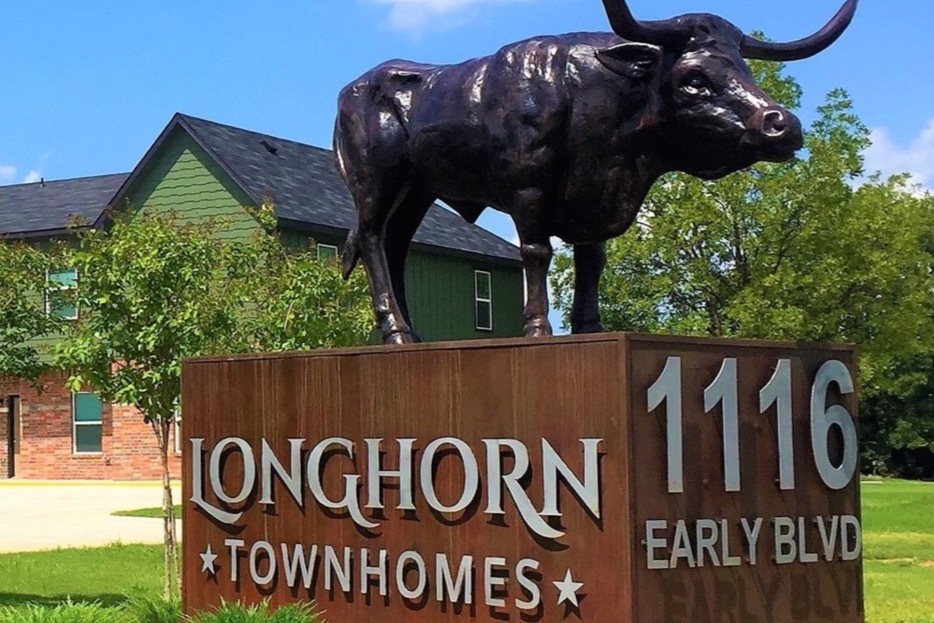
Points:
[(618, 477)]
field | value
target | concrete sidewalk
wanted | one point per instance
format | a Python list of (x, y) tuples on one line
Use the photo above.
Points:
[(41, 515)]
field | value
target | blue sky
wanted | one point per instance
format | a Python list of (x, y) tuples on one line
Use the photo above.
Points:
[(87, 86)]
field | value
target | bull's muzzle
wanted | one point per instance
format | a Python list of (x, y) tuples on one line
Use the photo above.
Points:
[(776, 132)]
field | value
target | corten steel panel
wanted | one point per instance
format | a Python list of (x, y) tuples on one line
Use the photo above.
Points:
[(562, 390), (516, 390), (766, 591)]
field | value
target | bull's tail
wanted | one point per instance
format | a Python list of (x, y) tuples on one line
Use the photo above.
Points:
[(351, 253)]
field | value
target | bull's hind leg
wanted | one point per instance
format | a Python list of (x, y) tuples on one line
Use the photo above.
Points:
[(376, 200), (402, 226), (370, 241), (370, 152)]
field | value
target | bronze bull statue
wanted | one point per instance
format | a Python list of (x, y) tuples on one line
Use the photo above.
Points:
[(566, 134)]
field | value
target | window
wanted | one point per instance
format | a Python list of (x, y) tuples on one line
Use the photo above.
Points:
[(327, 252), (61, 281), (178, 432), (87, 412), (483, 299)]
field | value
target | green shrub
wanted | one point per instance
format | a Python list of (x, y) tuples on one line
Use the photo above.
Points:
[(144, 608), (152, 609), (63, 613), (237, 613)]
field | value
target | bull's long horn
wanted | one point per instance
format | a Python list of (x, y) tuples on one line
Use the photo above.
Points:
[(803, 48), (628, 27)]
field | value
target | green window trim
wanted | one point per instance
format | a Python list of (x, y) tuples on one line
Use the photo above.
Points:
[(61, 280), (327, 252), (483, 300), (87, 415)]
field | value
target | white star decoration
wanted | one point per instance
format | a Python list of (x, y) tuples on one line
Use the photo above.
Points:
[(207, 561), (567, 590)]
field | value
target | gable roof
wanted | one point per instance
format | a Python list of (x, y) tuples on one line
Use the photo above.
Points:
[(302, 182), (51, 208)]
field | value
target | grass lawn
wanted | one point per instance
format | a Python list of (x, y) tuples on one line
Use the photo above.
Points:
[(898, 524), (148, 512), (898, 552), (102, 575)]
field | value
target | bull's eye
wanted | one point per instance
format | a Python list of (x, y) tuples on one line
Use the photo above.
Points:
[(696, 84)]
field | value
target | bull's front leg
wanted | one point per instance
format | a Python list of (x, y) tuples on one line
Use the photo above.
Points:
[(536, 257), (589, 261)]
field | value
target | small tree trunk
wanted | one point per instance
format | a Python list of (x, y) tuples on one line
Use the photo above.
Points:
[(170, 539)]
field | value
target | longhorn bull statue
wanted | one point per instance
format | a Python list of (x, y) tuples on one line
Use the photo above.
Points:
[(566, 134)]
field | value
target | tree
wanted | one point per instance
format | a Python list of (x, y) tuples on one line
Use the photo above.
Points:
[(155, 289), (25, 302), (786, 251), (296, 300)]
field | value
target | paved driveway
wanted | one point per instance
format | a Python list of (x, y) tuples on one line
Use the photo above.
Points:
[(40, 515)]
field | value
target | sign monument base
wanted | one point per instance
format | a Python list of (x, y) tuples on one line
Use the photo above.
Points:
[(615, 477)]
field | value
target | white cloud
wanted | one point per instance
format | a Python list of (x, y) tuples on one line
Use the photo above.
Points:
[(916, 159), (7, 173), (414, 15)]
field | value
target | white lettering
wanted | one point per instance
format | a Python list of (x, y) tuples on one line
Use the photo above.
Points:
[(378, 571), (850, 532), (653, 543), (528, 586), (234, 545), (471, 475), (419, 563), (707, 532), (803, 554), (292, 479), (829, 540), (296, 561), (350, 502), (786, 550), (588, 491), (332, 566), (752, 537), (728, 560), (197, 486), (262, 580), (375, 474), (491, 581), (496, 479), (681, 547), (459, 589), (249, 470)]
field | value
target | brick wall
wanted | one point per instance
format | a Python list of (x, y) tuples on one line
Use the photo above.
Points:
[(46, 450), (4, 459)]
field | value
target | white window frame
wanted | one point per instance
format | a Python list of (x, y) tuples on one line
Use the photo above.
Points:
[(178, 432), (320, 246), (45, 295), (75, 424), (479, 299)]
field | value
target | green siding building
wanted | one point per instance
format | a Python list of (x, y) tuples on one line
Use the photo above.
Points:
[(463, 282)]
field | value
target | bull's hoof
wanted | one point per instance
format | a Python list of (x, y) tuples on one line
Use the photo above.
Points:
[(401, 337), (540, 327)]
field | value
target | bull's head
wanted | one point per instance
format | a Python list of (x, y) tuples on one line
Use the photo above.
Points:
[(712, 117)]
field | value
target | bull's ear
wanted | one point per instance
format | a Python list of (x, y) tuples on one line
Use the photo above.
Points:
[(639, 61)]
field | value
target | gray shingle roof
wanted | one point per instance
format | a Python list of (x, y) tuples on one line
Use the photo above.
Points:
[(51, 207), (303, 183)]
